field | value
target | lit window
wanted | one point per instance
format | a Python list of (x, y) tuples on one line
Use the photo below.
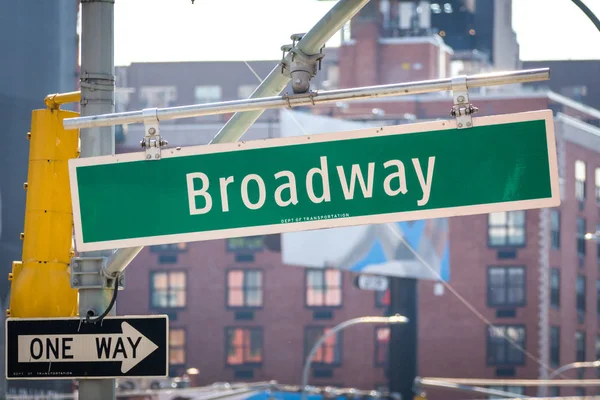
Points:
[(158, 96), (506, 228), (505, 344), (244, 346), (168, 289), (323, 288), (580, 175), (329, 353), (176, 346), (207, 94), (244, 288)]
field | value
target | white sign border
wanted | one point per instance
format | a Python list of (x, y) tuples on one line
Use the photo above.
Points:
[(439, 125), (122, 317)]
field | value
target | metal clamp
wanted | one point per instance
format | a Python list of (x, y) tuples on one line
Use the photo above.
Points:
[(89, 273), (302, 67), (152, 142), (462, 109)]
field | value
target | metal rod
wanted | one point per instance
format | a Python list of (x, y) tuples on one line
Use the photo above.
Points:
[(55, 100), (516, 382), (331, 96), (574, 365), (97, 93), (465, 388), (311, 43), (395, 319)]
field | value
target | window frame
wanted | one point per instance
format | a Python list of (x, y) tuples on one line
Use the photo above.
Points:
[(378, 345), (552, 349), (152, 288), (506, 226), (555, 235), (489, 347), (227, 288), (558, 292), (262, 347), (184, 347), (506, 269), (338, 344), (323, 271)]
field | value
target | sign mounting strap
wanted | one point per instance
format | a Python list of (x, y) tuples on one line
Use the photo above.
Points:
[(462, 109), (152, 142)]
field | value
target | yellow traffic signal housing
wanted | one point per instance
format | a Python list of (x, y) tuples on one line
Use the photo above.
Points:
[(40, 284)]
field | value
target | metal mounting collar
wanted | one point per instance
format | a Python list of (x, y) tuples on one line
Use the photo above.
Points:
[(152, 141), (462, 109), (89, 273), (302, 67)]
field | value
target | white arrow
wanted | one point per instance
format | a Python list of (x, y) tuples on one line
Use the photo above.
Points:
[(129, 347)]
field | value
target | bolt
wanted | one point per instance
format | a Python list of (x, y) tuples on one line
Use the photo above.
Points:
[(28, 135), (121, 280), (142, 144), (25, 185), (157, 156), (152, 131), (22, 236), (75, 265), (461, 99), (148, 156), (163, 142), (460, 125), (468, 124), (75, 281)]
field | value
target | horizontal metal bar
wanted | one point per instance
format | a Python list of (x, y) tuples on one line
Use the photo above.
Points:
[(399, 89), (54, 101), (512, 382)]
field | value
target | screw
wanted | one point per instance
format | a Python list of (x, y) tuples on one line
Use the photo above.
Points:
[(143, 143), (152, 131), (461, 99), (22, 236), (163, 142), (148, 156), (75, 281), (157, 156), (28, 135), (460, 125), (25, 185), (75, 265), (468, 124), (121, 280)]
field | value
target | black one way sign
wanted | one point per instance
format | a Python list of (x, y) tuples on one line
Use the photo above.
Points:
[(57, 348)]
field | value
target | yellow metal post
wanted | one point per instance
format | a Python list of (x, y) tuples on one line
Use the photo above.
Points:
[(40, 284)]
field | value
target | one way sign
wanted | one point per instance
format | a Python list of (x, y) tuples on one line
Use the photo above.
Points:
[(134, 346)]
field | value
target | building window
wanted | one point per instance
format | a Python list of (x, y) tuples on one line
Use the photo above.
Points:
[(329, 353), (554, 391), (245, 91), (506, 228), (207, 94), (382, 340), (158, 96), (579, 392), (555, 228), (581, 294), (554, 346), (598, 300), (579, 346), (244, 346), (250, 244), (176, 346), (323, 288), (555, 287), (382, 298), (519, 390), (506, 286), (580, 180), (597, 245), (501, 349), (244, 288), (581, 237), (168, 289), (169, 248)]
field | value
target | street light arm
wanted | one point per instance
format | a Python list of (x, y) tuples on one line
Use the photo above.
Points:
[(396, 319), (574, 365)]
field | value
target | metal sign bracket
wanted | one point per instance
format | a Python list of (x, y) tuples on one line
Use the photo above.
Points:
[(462, 108), (152, 142)]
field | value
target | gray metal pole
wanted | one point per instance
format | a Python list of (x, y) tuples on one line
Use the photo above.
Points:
[(97, 97), (275, 82)]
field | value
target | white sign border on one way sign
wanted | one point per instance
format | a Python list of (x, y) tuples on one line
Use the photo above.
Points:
[(440, 125)]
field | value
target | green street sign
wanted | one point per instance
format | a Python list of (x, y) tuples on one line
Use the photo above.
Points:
[(369, 176)]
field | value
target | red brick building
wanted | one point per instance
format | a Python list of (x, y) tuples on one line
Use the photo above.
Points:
[(237, 313)]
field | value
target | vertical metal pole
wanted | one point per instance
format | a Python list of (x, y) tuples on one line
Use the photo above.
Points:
[(402, 361), (97, 97)]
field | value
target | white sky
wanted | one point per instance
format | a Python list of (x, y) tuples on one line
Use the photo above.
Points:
[(176, 30)]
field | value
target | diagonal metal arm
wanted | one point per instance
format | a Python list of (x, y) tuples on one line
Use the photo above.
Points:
[(273, 84)]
